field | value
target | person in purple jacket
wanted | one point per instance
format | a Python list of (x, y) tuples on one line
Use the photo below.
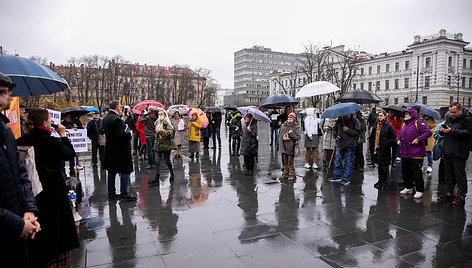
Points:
[(411, 139)]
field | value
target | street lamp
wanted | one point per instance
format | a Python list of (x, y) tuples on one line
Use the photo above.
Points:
[(417, 76)]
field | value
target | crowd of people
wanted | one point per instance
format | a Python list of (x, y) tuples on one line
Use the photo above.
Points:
[(40, 230)]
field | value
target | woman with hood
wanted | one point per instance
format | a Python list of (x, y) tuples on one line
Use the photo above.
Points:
[(429, 147), (249, 145), (291, 133), (382, 140), (235, 129), (194, 137), (412, 137), (163, 144), (312, 136)]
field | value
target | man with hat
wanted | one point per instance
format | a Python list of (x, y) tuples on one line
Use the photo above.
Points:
[(94, 130)]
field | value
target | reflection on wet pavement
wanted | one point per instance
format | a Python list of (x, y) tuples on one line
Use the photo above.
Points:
[(213, 215)]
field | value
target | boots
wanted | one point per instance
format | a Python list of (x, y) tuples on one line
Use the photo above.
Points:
[(171, 179), (154, 182)]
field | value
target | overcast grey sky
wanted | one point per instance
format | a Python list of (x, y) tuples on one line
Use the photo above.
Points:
[(206, 33)]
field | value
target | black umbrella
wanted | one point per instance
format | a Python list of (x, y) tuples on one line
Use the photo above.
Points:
[(397, 109), (278, 101), (230, 107), (76, 111), (212, 109), (359, 96)]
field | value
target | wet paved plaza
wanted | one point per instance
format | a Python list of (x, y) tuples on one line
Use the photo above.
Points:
[(215, 216)]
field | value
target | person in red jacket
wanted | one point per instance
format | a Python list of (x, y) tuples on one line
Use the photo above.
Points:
[(142, 137), (396, 123)]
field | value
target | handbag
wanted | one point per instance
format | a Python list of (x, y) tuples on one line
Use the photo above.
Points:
[(436, 151), (296, 150), (181, 125)]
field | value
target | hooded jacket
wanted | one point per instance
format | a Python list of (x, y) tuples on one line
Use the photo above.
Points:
[(411, 131), (311, 123), (457, 142), (348, 139)]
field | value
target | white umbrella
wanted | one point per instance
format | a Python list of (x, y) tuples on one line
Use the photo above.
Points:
[(317, 88)]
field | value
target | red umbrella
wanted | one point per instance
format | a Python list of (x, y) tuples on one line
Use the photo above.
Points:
[(139, 107)]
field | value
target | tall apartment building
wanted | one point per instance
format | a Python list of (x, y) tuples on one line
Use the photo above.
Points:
[(252, 67)]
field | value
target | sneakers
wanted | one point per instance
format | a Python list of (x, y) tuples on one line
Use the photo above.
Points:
[(345, 182), (429, 170), (406, 191), (307, 166), (334, 179), (315, 166), (283, 177), (459, 200), (418, 195), (445, 197)]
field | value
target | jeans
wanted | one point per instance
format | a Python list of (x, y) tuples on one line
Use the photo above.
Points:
[(150, 152), (215, 133), (101, 151), (273, 131), (412, 175), (350, 155), (430, 158), (160, 155), (124, 181)]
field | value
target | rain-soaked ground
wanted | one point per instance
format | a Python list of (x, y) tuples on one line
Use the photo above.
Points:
[(215, 216)]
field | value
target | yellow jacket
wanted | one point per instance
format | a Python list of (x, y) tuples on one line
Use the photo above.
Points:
[(194, 130)]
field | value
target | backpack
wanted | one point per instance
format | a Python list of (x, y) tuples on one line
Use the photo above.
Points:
[(416, 125)]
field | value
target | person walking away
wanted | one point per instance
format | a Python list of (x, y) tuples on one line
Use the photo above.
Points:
[(274, 126), (215, 129), (148, 121), (194, 136), (359, 162), (163, 145), (396, 123), (118, 158), (178, 124), (52, 246), (18, 210), (312, 137), (206, 134), (439, 139), (411, 139), (370, 125), (235, 129), (249, 143), (382, 139), (346, 131), (291, 133), (457, 132), (429, 147), (329, 142), (94, 130), (142, 139)]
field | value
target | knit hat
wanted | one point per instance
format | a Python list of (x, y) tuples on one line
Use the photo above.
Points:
[(292, 115)]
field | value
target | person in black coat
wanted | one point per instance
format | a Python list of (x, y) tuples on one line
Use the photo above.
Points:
[(117, 152), (206, 133), (235, 129), (249, 143), (94, 130), (58, 235), (215, 129), (382, 140), (17, 205)]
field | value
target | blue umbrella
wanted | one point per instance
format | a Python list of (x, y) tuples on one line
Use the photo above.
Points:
[(258, 115), (426, 110), (91, 109), (31, 78), (341, 109), (278, 101)]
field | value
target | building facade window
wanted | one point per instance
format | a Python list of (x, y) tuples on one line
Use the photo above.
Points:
[(395, 101), (469, 101), (463, 81), (387, 68), (370, 70), (449, 80), (407, 65), (397, 66), (369, 86), (397, 82), (377, 86), (426, 81), (354, 86), (362, 71), (470, 82), (378, 69), (387, 83), (451, 99), (449, 62), (464, 63), (362, 85), (405, 100), (470, 64), (425, 100), (407, 82), (428, 62)]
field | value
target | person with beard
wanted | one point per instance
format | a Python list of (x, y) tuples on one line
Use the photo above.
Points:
[(382, 139), (411, 139), (235, 129)]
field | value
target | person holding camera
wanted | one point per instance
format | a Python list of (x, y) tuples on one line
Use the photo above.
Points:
[(149, 131)]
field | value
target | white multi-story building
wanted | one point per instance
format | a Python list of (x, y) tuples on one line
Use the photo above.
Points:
[(434, 70), (252, 67)]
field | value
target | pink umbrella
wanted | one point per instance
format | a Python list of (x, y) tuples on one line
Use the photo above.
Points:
[(201, 115), (141, 106)]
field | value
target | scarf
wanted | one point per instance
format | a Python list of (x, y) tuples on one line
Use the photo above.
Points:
[(377, 136)]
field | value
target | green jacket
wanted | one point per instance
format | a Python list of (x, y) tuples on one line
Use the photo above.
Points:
[(167, 143)]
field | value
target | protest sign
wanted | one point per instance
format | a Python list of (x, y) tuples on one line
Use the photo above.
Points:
[(55, 116), (13, 114), (78, 138)]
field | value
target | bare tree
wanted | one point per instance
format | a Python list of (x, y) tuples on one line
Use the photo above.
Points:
[(207, 86), (342, 68)]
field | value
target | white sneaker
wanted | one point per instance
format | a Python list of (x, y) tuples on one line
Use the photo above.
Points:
[(406, 191), (429, 170), (307, 166), (315, 166), (398, 159), (418, 195)]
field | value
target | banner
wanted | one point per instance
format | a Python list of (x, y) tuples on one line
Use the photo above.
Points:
[(55, 116), (78, 138), (13, 114)]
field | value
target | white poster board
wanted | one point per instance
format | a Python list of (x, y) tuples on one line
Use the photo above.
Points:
[(78, 138), (55, 116)]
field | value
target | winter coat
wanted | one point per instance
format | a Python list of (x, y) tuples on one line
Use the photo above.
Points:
[(411, 131), (329, 141), (396, 124), (432, 126), (458, 141), (165, 143), (206, 131), (273, 122), (248, 139), (194, 130), (131, 122), (140, 130), (363, 127), (16, 196), (288, 147), (67, 124), (348, 139), (178, 134), (236, 123), (148, 121), (311, 124), (438, 138), (94, 128), (216, 117), (387, 140), (58, 234), (118, 145)]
